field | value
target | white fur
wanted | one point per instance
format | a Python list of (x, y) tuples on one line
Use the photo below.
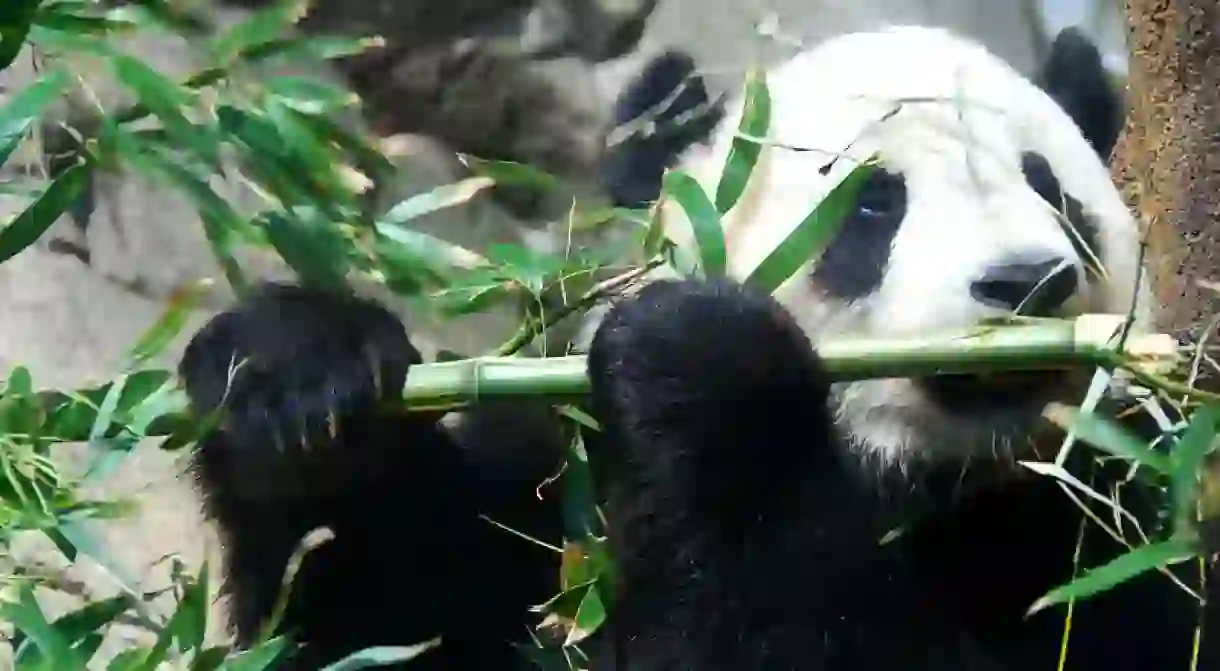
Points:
[(958, 139)]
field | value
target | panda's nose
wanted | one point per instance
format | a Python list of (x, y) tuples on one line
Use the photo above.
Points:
[(1037, 287)]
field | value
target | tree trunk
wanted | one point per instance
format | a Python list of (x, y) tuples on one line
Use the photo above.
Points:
[(1167, 161)]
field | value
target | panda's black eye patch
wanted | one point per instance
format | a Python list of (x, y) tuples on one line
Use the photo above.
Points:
[(1041, 178), (854, 263)]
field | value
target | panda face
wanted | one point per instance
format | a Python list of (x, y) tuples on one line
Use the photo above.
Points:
[(989, 199)]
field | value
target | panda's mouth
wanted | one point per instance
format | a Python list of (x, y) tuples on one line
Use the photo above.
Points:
[(968, 394)]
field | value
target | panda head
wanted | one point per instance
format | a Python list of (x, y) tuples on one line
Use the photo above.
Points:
[(992, 194)]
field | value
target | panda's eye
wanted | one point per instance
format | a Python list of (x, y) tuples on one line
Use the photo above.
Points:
[(884, 194)]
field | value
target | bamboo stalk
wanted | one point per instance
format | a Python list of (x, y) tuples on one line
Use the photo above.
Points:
[(1050, 344)]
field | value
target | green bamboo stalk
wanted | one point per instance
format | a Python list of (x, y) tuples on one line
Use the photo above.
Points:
[(1050, 344)]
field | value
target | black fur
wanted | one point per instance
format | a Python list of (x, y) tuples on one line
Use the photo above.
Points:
[(631, 171), (854, 263), (1079, 228), (745, 535), (1074, 76), (411, 558)]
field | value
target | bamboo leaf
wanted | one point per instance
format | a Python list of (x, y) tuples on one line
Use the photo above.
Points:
[(181, 303), (1116, 571), (703, 217), (25, 230), (27, 617), (61, 17), (1107, 435), (266, 155), (180, 20), (439, 198), (355, 147), (315, 250), (16, 16), (23, 109), (261, 27), (382, 656), (813, 234), (221, 223), (512, 174), (418, 254), (308, 96), (744, 152), (166, 99), (589, 617), (71, 416), (259, 658), (307, 149), (477, 296), (77, 628), (189, 624), (579, 498), (1187, 459)]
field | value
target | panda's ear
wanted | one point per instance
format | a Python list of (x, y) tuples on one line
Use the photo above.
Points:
[(1073, 75)]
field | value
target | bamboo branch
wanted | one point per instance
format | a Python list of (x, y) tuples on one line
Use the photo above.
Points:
[(1030, 345), (1035, 345)]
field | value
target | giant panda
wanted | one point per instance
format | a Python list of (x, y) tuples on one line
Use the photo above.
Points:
[(760, 517)]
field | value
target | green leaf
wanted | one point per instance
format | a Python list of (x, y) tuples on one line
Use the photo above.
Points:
[(19, 382), (314, 249), (210, 659), (579, 502), (16, 16), (169, 325), (25, 230), (259, 658), (309, 96), (267, 157), (526, 266), (166, 99), (1107, 435), (1187, 458), (221, 223), (704, 220), (23, 109), (381, 656), (439, 198), (79, 629), (1116, 571), (164, 96), (129, 659), (813, 234), (72, 416), (589, 617), (180, 20), (319, 47), (189, 624), (27, 617), (61, 17), (306, 148), (260, 27), (368, 157), (510, 173), (476, 296), (743, 155), (416, 259)]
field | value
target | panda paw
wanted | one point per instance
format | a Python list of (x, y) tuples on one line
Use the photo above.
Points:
[(288, 364), (715, 360)]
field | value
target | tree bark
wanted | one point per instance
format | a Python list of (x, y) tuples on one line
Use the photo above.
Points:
[(1167, 161)]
